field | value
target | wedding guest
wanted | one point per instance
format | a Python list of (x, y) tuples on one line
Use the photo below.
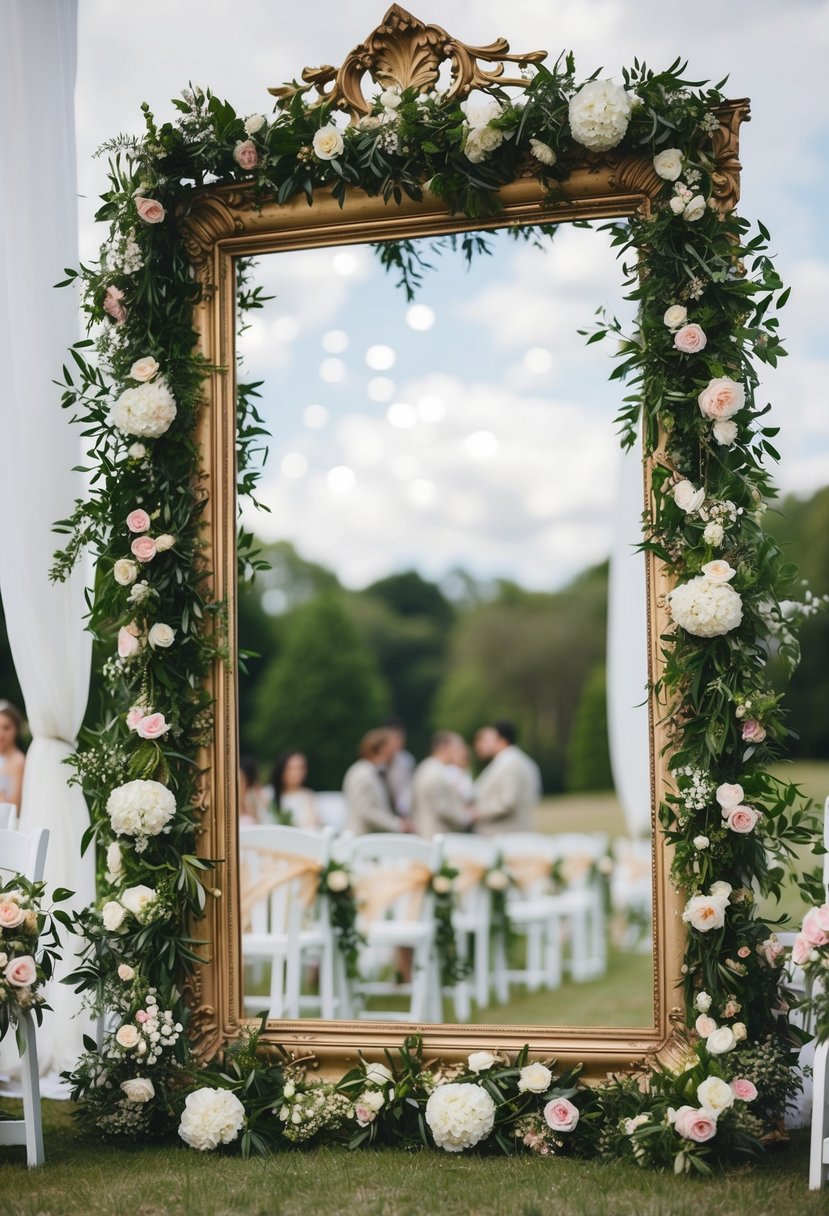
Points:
[(253, 801), (400, 769), (367, 795), (437, 805), (457, 769), (293, 800), (12, 759), (509, 788)]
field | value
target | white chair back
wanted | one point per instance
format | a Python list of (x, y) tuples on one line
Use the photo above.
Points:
[(462, 849), (515, 846), (21, 853), (377, 851), (8, 816), (273, 848)]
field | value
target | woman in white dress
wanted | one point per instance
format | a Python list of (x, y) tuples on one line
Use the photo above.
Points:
[(12, 759), (294, 802)]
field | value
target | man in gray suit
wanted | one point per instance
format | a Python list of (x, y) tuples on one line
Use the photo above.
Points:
[(509, 788), (437, 805), (366, 793)]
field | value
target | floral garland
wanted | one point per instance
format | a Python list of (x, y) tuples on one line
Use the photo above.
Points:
[(705, 289), (29, 948)]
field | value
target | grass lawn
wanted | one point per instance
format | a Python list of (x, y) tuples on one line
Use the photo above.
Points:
[(82, 1179)]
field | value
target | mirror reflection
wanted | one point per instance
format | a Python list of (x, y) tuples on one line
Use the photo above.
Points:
[(444, 794)]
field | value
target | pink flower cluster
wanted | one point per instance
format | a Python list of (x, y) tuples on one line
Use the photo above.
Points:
[(813, 935), (146, 724)]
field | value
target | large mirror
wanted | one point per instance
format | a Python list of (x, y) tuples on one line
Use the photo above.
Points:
[(424, 702)]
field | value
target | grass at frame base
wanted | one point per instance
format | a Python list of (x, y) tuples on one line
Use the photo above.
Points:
[(83, 1179)]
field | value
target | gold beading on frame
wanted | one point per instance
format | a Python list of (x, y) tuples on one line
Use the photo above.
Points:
[(223, 223)]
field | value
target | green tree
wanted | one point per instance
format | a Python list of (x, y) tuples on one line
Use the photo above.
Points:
[(321, 692), (588, 749)]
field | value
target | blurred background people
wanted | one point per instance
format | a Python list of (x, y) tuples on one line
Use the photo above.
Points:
[(437, 802), (508, 789), (400, 768), (253, 801), (293, 800), (367, 794), (12, 759)]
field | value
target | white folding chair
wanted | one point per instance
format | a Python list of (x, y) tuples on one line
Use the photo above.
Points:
[(631, 892), (819, 1153), (534, 911), (582, 902), (472, 856), (21, 853), (288, 924), (8, 816), (400, 864)]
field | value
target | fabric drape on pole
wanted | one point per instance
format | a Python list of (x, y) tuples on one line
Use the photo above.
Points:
[(627, 652), (38, 237)]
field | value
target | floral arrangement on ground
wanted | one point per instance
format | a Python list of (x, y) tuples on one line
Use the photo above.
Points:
[(707, 295)]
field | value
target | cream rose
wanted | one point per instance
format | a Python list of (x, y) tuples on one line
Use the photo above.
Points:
[(718, 571), (21, 972), (138, 1089), (328, 143), (722, 1040), (164, 542), (127, 1037), (668, 164), (702, 1001), (255, 123), (113, 915), (677, 204), (725, 432), (246, 155), (701, 842), (715, 1095), (126, 973), (11, 914), (721, 398), (690, 339), (337, 881), (480, 1061), (144, 370), (695, 209), (687, 497), (705, 912), (161, 636), (124, 572), (675, 316), (138, 899), (534, 1079), (211, 1117), (705, 1025)]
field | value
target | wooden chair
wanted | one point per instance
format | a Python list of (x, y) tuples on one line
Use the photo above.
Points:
[(819, 1154), (25, 854)]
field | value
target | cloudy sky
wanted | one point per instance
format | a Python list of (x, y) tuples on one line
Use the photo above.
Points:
[(476, 430)]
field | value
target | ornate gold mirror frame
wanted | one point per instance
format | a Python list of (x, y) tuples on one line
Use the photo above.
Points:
[(225, 223)]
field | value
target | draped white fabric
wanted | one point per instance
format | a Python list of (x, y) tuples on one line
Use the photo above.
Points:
[(38, 237), (627, 654)]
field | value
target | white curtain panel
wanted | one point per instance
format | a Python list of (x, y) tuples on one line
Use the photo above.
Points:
[(627, 652), (38, 237)]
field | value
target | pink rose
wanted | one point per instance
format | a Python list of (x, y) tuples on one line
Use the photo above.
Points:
[(142, 1016), (801, 949), (364, 1114), (128, 642), (694, 1124), (812, 929), (704, 1025), (21, 972), (690, 339), (772, 950), (745, 1090), (741, 819), (143, 547), (150, 210), (743, 952), (134, 716), (561, 1115), (138, 521), (245, 154), (721, 398), (153, 726), (753, 732), (821, 917), (11, 915), (113, 306)]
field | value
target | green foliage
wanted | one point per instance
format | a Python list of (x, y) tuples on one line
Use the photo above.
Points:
[(588, 751), (321, 693)]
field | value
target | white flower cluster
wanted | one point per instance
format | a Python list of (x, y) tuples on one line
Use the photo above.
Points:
[(211, 1117), (482, 138), (599, 115), (123, 256), (460, 1115), (705, 608), (148, 1034), (305, 1112), (699, 791), (141, 809), (147, 411)]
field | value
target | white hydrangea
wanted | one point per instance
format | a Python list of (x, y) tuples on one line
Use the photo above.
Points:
[(147, 411), (211, 1117), (599, 115), (140, 809), (704, 608), (459, 1116)]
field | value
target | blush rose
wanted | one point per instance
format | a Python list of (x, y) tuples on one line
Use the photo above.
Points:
[(144, 548), (150, 210)]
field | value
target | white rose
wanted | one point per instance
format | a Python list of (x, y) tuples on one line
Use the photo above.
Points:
[(161, 636), (137, 451), (497, 880), (705, 912), (125, 571), (725, 432), (164, 542), (599, 115), (147, 411), (701, 842), (729, 796), (718, 571), (480, 141), (695, 210), (705, 609), (459, 1116), (668, 164), (126, 972), (328, 143), (543, 152), (534, 1079), (676, 316), (139, 1089), (211, 1117), (378, 1074), (687, 497), (373, 1099), (713, 534), (677, 205), (144, 369), (112, 915), (390, 99), (138, 899), (127, 1036), (702, 1002), (255, 123), (721, 890), (721, 1041), (480, 1061), (715, 1095)]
